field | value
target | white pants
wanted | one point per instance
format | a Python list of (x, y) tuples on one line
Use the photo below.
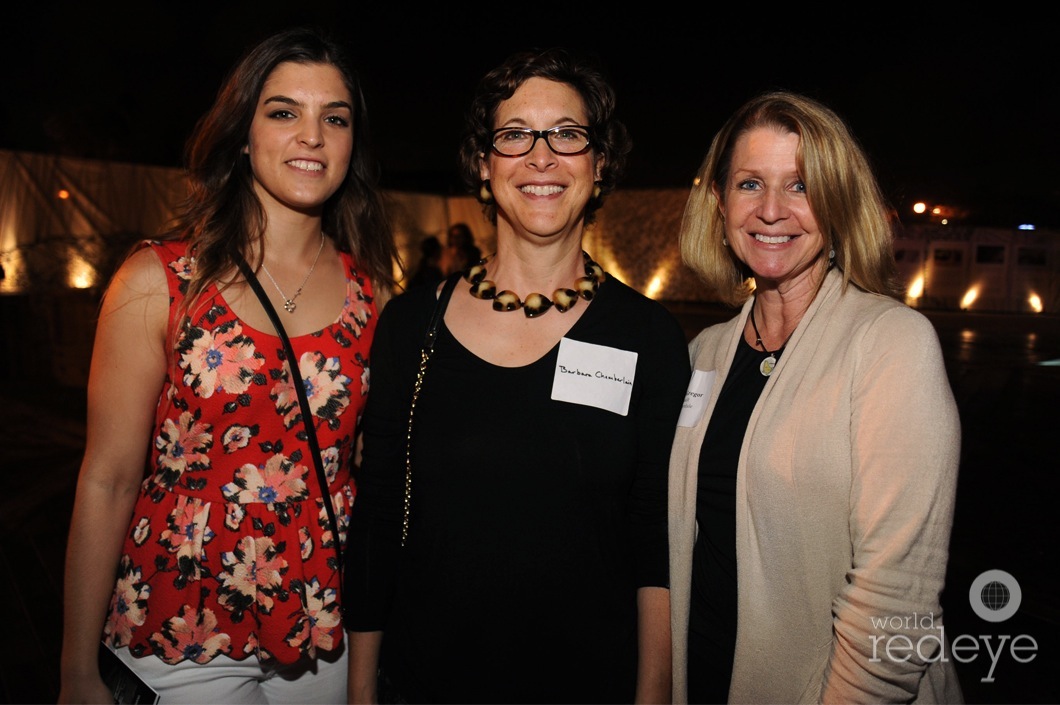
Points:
[(225, 680)]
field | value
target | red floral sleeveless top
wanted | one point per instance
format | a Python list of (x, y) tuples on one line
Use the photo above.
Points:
[(230, 550)]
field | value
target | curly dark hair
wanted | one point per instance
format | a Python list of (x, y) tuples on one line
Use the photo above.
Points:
[(584, 73), (222, 215)]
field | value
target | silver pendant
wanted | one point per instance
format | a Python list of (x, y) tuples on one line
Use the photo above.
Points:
[(767, 365), (290, 306)]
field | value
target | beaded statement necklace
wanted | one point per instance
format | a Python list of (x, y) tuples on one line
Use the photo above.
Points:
[(767, 365), (535, 304)]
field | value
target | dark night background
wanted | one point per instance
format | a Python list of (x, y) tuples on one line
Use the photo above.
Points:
[(953, 109)]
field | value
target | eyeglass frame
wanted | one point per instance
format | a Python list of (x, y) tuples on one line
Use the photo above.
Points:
[(542, 135)]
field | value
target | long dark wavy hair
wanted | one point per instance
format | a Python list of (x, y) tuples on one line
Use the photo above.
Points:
[(583, 73), (222, 215)]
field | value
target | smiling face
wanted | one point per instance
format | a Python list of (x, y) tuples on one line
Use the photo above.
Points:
[(541, 193), (301, 137), (768, 220)]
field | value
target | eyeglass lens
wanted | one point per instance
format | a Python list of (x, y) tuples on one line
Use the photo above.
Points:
[(517, 141)]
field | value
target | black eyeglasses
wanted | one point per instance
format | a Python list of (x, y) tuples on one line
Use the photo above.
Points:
[(517, 141)]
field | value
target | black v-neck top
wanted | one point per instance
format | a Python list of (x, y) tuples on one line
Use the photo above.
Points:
[(533, 521)]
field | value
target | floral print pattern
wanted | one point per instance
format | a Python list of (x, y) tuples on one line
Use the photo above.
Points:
[(318, 620), (230, 550), (185, 535), (279, 480), (252, 574), (238, 436), (326, 389), (221, 360), (191, 635), (127, 605), (182, 445)]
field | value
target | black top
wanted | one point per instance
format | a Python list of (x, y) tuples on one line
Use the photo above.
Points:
[(712, 619), (533, 521)]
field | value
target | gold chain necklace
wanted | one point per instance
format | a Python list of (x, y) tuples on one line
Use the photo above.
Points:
[(535, 304), (288, 303)]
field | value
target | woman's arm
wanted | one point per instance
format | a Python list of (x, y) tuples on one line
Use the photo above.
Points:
[(363, 667), (127, 372), (374, 539), (668, 369), (905, 450), (653, 645)]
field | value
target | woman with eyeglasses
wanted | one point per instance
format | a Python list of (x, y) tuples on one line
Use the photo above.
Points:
[(510, 544)]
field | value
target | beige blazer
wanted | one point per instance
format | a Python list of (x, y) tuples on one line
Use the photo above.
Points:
[(844, 503)]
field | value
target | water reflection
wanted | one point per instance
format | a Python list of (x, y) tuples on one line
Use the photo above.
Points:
[(1007, 340)]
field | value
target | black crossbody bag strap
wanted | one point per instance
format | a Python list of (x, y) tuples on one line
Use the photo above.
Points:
[(303, 403)]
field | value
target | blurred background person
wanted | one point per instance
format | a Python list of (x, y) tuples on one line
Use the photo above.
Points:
[(460, 249), (815, 464), (429, 268), (535, 566), (216, 556)]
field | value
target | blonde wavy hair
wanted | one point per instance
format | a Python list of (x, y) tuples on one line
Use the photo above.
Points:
[(842, 190)]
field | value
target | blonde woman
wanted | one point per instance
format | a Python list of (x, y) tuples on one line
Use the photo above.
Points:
[(814, 468)]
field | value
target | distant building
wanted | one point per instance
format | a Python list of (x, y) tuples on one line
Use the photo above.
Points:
[(65, 224), (983, 269)]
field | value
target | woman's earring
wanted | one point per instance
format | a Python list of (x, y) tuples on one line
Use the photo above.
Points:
[(725, 241), (484, 193), (831, 258), (597, 191)]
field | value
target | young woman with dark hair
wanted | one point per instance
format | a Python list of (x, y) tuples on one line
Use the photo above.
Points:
[(198, 485)]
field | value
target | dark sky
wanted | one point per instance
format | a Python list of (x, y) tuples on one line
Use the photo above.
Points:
[(957, 111)]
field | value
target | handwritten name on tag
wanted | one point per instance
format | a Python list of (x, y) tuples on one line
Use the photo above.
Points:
[(696, 397), (594, 375)]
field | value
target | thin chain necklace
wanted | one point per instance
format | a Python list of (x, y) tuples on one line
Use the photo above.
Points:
[(535, 304), (766, 366), (288, 303)]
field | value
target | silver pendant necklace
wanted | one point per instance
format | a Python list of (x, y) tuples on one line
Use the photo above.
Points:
[(767, 366), (288, 303)]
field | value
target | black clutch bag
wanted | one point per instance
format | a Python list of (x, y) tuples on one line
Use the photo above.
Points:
[(124, 684)]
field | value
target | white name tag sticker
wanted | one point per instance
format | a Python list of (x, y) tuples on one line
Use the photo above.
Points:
[(594, 375), (696, 398)]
